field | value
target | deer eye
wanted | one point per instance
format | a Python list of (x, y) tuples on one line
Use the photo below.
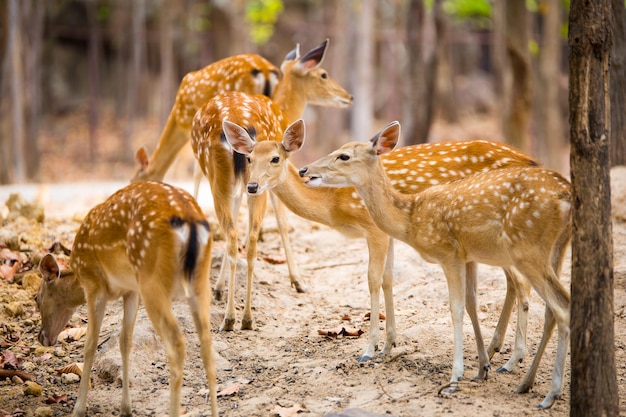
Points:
[(324, 75), (275, 160), (344, 157), (249, 160)]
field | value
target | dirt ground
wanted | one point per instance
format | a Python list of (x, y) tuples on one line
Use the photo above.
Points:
[(283, 367)]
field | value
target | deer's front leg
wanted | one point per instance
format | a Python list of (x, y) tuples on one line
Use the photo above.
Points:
[(470, 305), (390, 321), (455, 275), (256, 211), (283, 229), (131, 303)]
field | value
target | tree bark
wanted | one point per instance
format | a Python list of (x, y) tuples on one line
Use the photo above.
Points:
[(594, 383), (421, 77), (18, 173), (618, 84), (498, 58), (549, 122), (518, 117), (363, 105)]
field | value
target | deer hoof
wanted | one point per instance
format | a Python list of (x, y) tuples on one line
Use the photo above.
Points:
[(246, 324), (228, 325)]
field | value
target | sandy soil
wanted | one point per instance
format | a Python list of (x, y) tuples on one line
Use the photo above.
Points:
[(283, 367)]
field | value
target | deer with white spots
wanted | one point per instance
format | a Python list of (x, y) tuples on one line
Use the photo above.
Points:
[(410, 169), (148, 240), (302, 81), (227, 174), (517, 218)]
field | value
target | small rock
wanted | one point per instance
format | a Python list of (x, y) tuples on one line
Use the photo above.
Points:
[(17, 380), (70, 378), (18, 206), (44, 412), (14, 309), (31, 282), (33, 388)]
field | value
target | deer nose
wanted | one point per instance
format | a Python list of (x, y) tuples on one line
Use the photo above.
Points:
[(253, 187), (303, 171)]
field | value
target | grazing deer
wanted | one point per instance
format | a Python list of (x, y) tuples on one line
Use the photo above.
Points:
[(147, 240), (518, 218), (343, 209)]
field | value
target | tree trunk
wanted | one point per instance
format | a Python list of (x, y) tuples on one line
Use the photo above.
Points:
[(498, 59), (18, 173), (134, 74), (594, 383), (618, 84), (169, 13), (421, 77), (518, 117), (549, 119), (94, 80), (362, 89)]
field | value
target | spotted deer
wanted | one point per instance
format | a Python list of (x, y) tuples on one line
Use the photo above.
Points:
[(517, 218), (147, 240), (303, 81), (343, 210)]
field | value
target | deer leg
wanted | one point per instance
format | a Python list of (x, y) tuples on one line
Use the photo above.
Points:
[(96, 304), (131, 303), (455, 276), (470, 306), (503, 321), (159, 310), (227, 216), (283, 229), (376, 265), (256, 211), (390, 321), (200, 306), (521, 287), (197, 178), (557, 301)]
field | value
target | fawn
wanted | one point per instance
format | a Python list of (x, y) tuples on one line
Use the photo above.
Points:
[(147, 240), (343, 209), (517, 218)]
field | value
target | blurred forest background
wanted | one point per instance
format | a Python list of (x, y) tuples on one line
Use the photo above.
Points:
[(84, 83)]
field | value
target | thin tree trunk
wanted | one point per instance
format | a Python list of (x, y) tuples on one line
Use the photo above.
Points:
[(618, 84), (5, 136), (169, 13), (594, 383), (94, 81), (499, 59), (518, 117), (421, 77), (135, 70), (17, 92), (549, 117), (363, 106)]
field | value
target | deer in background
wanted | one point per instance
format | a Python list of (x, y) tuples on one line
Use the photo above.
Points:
[(511, 217), (227, 173), (410, 169), (303, 81), (148, 240)]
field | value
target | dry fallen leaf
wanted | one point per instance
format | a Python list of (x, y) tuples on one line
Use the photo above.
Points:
[(292, 411), (273, 261), (56, 399), (232, 390), (7, 272), (72, 334), (73, 368), (381, 316), (340, 331)]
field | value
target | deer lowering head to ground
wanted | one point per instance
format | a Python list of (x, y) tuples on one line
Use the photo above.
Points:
[(517, 218), (343, 209), (148, 240), (302, 81)]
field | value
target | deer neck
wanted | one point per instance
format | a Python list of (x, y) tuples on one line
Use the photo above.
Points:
[(290, 98), (73, 293), (390, 210), (300, 199)]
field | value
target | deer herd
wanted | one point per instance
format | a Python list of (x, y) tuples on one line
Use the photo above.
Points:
[(456, 203)]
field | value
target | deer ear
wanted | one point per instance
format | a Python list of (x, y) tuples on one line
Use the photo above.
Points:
[(142, 158), (238, 137), (294, 54), (293, 138), (49, 268), (387, 139), (313, 58)]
